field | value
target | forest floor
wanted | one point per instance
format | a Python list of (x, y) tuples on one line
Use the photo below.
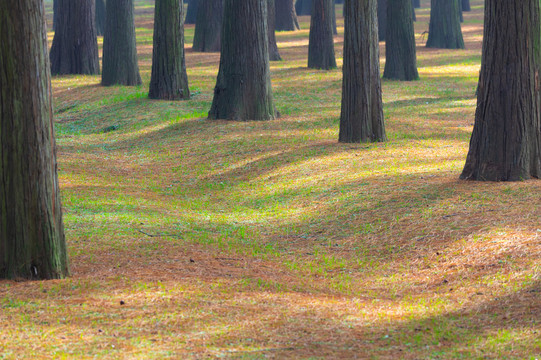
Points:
[(192, 239)]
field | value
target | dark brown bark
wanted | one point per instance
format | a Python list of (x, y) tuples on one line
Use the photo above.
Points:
[(75, 44), (243, 89), (401, 58), (120, 65), (321, 43), (208, 26), (274, 54), (191, 13), (286, 16), (506, 139), (100, 17), (361, 118), (382, 19), (168, 78), (32, 242), (444, 30)]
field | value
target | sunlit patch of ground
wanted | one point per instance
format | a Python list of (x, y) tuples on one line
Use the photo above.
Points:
[(191, 238)]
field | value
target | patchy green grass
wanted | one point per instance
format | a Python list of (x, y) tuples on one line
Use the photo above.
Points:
[(191, 238)]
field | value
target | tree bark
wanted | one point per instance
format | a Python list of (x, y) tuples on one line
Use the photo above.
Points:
[(286, 16), (466, 5), (444, 31), (100, 17), (361, 117), (334, 27), (32, 242), (274, 54), (55, 13), (416, 4), (168, 79), (321, 42), (382, 19), (191, 13), (401, 58), (304, 7), (208, 27), (506, 140), (75, 43), (120, 65), (243, 89)]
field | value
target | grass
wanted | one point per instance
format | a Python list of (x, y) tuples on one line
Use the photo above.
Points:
[(191, 238)]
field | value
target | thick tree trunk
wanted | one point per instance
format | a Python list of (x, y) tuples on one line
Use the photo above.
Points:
[(382, 19), (466, 5), (444, 30), (321, 43), (361, 118), (75, 43), (304, 7), (401, 58), (506, 139), (191, 13), (243, 89), (274, 54), (100, 17), (286, 16), (32, 242), (168, 79), (208, 27), (120, 65)]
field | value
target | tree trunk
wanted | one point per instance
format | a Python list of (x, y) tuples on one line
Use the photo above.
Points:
[(334, 27), (274, 54), (191, 13), (168, 79), (466, 5), (100, 17), (119, 49), (32, 242), (75, 43), (444, 31), (416, 4), (382, 19), (208, 26), (55, 13), (361, 118), (401, 59), (506, 139), (321, 43), (304, 7), (286, 16), (243, 89)]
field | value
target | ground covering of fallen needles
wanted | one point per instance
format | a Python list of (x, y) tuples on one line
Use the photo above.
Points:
[(191, 238)]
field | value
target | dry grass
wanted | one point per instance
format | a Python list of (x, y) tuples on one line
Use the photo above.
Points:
[(191, 238)]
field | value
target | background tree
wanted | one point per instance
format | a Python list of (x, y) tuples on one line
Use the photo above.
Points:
[(303, 7), (100, 17), (32, 243), (321, 42), (55, 13), (444, 31), (382, 19), (243, 89), (286, 16), (191, 13), (208, 26), (274, 54), (168, 79), (400, 58), (466, 5), (416, 4), (120, 65), (506, 139), (361, 118), (75, 42)]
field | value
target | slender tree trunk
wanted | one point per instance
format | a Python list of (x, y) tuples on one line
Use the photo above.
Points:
[(321, 43), (32, 242), (274, 54), (361, 118), (401, 58), (191, 13), (444, 30), (286, 16), (304, 7), (168, 79), (243, 89), (334, 27), (506, 139), (208, 26), (417, 4), (75, 43), (382, 19), (120, 65), (55, 13), (100, 17), (466, 5)]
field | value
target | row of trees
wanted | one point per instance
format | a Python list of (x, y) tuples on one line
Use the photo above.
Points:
[(505, 144)]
